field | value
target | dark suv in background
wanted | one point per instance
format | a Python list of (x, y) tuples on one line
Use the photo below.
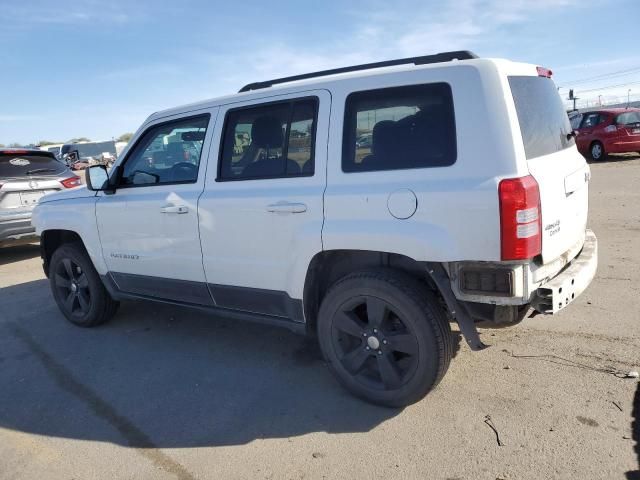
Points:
[(25, 176)]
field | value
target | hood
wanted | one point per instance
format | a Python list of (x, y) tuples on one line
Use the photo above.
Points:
[(78, 192)]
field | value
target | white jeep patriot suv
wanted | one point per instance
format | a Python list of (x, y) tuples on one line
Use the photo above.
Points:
[(371, 205)]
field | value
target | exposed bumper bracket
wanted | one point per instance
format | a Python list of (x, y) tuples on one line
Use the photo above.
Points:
[(561, 290), (456, 309)]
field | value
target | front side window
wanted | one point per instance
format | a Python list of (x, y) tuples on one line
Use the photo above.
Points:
[(167, 153), (269, 141), (575, 121), (398, 128), (591, 120)]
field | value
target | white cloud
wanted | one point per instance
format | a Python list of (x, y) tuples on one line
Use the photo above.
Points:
[(64, 13), (18, 118), (384, 31)]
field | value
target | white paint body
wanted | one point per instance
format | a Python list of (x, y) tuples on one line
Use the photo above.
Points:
[(229, 236)]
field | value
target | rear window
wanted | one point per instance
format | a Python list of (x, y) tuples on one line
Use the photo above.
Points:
[(398, 128), (20, 164), (628, 118), (543, 120)]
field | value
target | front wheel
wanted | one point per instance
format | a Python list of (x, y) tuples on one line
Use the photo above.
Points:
[(597, 151), (77, 288), (385, 336)]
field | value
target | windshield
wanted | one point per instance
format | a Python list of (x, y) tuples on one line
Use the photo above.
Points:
[(21, 164), (628, 118), (543, 120)]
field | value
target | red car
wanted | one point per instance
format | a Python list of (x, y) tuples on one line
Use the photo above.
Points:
[(610, 130)]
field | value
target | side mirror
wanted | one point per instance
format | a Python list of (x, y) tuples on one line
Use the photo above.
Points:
[(97, 178)]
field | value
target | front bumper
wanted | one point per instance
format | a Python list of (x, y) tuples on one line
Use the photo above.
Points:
[(555, 294)]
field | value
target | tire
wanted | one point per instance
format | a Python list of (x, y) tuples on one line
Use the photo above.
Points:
[(384, 336), (597, 152), (77, 288)]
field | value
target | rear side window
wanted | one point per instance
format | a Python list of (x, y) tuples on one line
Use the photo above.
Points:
[(269, 141), (543, 120), (26, 163), (399, 128), (628, 118)]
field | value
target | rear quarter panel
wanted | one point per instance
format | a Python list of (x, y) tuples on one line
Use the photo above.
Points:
[(457, 216)]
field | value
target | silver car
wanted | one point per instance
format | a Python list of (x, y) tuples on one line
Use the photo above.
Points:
[(25, 176)]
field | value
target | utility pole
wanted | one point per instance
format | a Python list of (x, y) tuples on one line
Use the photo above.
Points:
[(574, 98), (628, 95)]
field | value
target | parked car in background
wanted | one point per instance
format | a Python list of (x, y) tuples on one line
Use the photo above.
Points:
[(611, 130), (25, 176), (72, 153)]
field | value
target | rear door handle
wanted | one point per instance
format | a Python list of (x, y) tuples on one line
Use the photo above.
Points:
[(174, 209), (287, 207)]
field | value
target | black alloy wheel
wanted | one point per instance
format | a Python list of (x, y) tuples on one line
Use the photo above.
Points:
[(73, 287), (374, 344)]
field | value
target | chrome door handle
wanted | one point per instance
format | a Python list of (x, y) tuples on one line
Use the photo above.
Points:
[(174, 209), (286, 207)]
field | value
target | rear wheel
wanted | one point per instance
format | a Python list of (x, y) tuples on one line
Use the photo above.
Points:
[(77, 288), (597, 151), (385, 337)]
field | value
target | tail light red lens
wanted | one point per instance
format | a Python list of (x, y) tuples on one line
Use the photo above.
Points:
[(520, 218), (71, 182)]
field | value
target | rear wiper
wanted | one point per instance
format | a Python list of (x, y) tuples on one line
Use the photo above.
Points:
[(40, 170)]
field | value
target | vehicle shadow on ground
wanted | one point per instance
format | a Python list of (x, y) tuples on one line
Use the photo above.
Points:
[(164, 376), (635, 433), (18, 253), (616, 158)]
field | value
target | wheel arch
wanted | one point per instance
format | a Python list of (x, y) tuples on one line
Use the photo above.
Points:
[(328, 266), (51, 240)]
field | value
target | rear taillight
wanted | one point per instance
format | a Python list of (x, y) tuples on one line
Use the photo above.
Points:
[(520, 218), (71, 182)]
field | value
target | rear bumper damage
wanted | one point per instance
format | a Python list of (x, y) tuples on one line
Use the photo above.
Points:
[(555, 294)]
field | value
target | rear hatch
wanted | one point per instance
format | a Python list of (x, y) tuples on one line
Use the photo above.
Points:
[(628, 126), (25, 176), (553, 160)]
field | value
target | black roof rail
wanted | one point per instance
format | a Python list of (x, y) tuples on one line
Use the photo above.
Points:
[(437, 58)]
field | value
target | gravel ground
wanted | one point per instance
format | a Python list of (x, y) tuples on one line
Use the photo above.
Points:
[(163, 392)]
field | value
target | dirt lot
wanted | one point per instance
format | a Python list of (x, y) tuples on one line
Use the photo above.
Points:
[(163, 392)]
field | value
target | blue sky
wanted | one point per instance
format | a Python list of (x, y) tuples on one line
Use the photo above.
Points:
[(98, 69)]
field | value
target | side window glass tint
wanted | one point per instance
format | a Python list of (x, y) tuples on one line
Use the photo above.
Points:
[(591, 120), (575, 122), (269, 141), (167, 153), (300, 149), (399, 128)]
